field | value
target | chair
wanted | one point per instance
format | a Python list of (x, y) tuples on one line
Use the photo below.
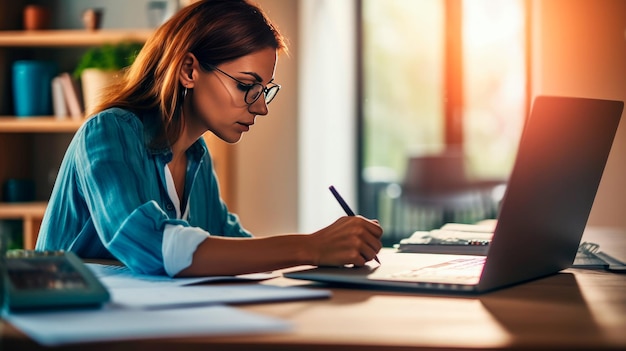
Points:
[(438, 184)]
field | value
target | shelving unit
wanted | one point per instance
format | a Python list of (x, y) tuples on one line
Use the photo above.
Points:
[(24, 140)]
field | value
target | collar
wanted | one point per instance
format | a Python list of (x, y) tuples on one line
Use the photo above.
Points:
[(151, 128)]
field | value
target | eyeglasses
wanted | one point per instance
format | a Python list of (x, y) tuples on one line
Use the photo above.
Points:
[(252, 91)]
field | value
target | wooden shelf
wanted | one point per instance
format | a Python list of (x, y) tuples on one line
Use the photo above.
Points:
[(69, 38), (17, 210), (38, 124)]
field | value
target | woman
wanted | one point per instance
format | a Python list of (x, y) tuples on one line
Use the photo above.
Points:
[(137, 182)]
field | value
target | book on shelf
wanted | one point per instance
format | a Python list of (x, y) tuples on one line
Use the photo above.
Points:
[(59, 106), (71, 96)]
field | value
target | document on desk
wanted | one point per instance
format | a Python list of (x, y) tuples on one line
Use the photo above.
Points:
[(188, 296), (120, 276), (111, 323), (156, 292)]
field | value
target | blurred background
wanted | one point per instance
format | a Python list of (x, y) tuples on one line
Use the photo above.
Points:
[(411, 108)]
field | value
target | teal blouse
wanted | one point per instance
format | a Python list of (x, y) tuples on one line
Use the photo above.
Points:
[(111, 201)]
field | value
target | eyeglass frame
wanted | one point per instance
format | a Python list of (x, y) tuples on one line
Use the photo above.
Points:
[(264, 90)]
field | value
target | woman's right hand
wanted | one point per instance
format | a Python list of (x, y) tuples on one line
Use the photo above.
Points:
[(349, 240)]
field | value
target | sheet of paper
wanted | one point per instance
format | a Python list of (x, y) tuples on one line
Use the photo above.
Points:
[(199, 295), (122, 277), (145, 291), (111, 323)]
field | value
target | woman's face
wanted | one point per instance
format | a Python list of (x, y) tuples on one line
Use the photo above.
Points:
[(217, 101)]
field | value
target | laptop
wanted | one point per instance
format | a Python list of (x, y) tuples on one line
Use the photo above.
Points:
[(560, 160)]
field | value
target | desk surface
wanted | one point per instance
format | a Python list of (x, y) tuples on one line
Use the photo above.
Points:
[(575, 309)]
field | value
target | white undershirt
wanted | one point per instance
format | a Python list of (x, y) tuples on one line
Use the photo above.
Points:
[(179, 242)]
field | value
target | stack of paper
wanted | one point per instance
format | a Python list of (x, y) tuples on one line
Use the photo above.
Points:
[(452, 239), (150, 292), (144, 306)]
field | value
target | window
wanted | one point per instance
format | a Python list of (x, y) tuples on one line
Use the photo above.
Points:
[(436, 76)]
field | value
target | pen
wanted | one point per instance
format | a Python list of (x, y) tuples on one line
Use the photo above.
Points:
[(345, 207)]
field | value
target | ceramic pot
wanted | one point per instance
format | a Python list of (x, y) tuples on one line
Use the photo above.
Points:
[(94, 81), (36, 17), (32, 87), (92, 18)]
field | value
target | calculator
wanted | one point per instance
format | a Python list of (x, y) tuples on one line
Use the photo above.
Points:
[(50, 279)]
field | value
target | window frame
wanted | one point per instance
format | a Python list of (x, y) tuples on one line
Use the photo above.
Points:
[(453, 84)]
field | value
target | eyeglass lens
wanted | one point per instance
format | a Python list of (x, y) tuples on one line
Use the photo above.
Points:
[(256, 90)]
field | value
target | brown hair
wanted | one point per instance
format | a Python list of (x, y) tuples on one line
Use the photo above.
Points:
[(215, 31)]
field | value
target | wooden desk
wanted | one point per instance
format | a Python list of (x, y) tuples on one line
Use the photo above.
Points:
[(575, 309)]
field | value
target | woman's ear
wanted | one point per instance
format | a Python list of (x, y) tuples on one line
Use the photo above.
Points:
[(186, 76)]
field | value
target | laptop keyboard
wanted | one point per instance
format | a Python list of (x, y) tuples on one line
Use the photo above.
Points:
[(462, 268)]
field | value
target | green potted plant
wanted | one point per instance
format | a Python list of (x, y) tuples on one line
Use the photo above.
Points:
[(100, 65)]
